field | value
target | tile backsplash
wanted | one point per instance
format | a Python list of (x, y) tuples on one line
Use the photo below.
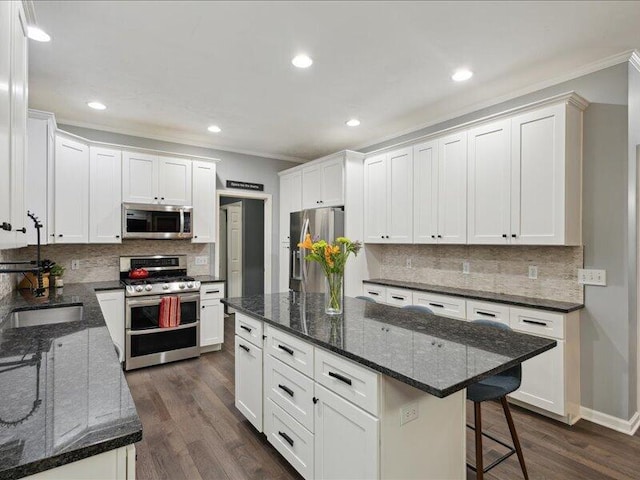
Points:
[(6, 280), (499, 269)]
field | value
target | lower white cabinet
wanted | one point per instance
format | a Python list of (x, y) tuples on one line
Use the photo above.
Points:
[(112, 306), (444, 305), (211, 316), (248, 369), (487, 311)]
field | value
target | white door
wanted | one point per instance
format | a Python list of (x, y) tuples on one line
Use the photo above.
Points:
[(489, 184), (71, 204), (400, 196), (537, 177), (332, 183), (234, 249), (139, 178), (105, 195), (248, 388), (375, 199), (211, 323), (204, 201), (425, 192), (6, 237), (174, 185), (452, 189), (311, 187), (223, 242), (346, 439)]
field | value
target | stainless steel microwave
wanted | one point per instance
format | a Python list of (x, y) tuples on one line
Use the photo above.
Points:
[(140, 220)]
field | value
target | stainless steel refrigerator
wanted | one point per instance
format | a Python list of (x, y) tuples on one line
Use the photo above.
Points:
[(321, 223)]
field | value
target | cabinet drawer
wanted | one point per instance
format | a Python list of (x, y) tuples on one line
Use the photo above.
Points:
[(398, 297), (444, 305), (357, 384), (249, 328), (487, 311), (537, 322), (291, 350), (290, 390), (377, 292), (290, 438), (211, 291)]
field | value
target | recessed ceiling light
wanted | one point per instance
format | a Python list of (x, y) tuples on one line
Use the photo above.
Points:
[(37, 34), (461, 75), (302, 61), (354, 122), (214, 129), (97, 105)]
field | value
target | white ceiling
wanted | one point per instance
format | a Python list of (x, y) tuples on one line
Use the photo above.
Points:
[(169, 69)]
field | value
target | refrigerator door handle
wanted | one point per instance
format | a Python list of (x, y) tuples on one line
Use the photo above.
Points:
[(303, 264)]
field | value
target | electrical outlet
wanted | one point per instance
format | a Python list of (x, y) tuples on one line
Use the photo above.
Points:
[(408, 413), (533, 272), (408, 262), (465, 267), (592, 277), (202, 260), (75, 264)]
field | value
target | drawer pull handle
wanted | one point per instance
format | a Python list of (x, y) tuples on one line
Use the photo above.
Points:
[(244, 347), (340, 377), (287, 438), (533, 322), (212, 291), (486, 314), (397, 297), (439, 305), (373, 293), (286, 349), (244, 327), (286, 389)]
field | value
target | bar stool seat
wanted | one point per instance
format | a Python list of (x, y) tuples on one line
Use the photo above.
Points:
[(418, 308), (366, 299), (496, 387)]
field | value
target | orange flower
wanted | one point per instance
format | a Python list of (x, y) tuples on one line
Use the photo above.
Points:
[(328, 251), (307, 244)]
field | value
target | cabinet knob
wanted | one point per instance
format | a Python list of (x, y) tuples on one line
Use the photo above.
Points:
[(117, 236), (155, 198), (60, 235), (381, 236), (195, 236), (162, 198), (504, 235), (433, 236), (203, 306), (6, 226), (513, 235), (23, 230), (439, 236), (52, 235)]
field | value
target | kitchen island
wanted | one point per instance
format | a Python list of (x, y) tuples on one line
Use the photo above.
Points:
[(377, 392)]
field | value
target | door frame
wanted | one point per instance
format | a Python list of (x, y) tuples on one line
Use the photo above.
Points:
[(268, 220)]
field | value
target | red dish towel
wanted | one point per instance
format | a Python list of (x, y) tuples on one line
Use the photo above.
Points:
[(169, 315)]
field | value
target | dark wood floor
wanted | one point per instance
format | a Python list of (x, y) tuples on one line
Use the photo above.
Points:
[(193, 431)]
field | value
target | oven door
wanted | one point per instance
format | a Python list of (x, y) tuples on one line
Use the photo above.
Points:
[(147, 344), (156, 221)]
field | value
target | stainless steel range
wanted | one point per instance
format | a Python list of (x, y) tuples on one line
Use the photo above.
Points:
[(146, 342)]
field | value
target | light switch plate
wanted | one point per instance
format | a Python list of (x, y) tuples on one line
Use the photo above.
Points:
[(408, 262), (465, 267), (533, 272), (202, 260), (75, 264), (592, 277)]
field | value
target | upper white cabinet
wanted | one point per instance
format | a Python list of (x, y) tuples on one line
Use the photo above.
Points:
[(452, 189), (425, 192), (152, 179), (105, 195), (323, 184), (71, 191), (388, 197), (204, 200)]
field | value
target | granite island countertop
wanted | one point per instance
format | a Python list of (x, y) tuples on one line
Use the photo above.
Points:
[(432, 353), (63, 395), (515, 300)]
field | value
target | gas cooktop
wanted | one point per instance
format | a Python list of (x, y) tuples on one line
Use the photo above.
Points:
[(167, 275)]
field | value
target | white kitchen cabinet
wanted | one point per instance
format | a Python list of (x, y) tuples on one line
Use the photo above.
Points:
[(6, 236), (346, 439), (323, 184), (425, 192), (377, 292), (211, 316), (489, 183), (290, 201), (494, 312), (112, 306), (174, 181), (248, 379), (204, 202), (140, 174), (388, 201), (105, 195), (71, 191), (452, 188), (311, 187), (398, 297)]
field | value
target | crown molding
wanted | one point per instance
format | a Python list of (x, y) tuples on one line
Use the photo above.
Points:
[(180, 139), (634, 60)]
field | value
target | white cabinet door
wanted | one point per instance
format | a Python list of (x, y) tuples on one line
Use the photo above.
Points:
[(400, 196), (204, 202), (39, 170), (248, 369), (71, 191), (139, 178), (112, 306), (174, 181), (105, 195), (332, 183), (312, 187), (425, 192), (452, 189), (537, 177), (290, 201), (489, 184), (346, 439), (211, 323), (6, 237), (375, 199)]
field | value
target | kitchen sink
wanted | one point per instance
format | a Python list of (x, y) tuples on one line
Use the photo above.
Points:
[(45, 316)]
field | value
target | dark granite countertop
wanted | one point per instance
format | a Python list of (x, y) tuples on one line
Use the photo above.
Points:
[(63, 395), (109, 285), (208, 279), (435, 354), (516, 300)]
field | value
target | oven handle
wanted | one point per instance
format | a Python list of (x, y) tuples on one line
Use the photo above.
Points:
[(159, 330), (155, 300)]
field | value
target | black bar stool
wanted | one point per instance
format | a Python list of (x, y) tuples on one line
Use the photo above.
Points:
[(495, 388)]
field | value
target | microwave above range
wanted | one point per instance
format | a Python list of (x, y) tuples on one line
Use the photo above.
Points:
[(140, 220)]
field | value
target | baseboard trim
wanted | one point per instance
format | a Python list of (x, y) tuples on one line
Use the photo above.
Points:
[(628, 427)]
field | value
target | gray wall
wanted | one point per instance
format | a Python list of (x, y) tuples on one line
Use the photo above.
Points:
[(232, 166), (608, 323)]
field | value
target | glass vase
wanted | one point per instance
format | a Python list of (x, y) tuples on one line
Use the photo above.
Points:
[(333, 294)]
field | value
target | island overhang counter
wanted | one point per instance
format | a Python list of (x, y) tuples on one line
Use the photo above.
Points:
[(377, 392)]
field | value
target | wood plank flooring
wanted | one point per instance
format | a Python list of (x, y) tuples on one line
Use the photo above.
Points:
[(192, 431)]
